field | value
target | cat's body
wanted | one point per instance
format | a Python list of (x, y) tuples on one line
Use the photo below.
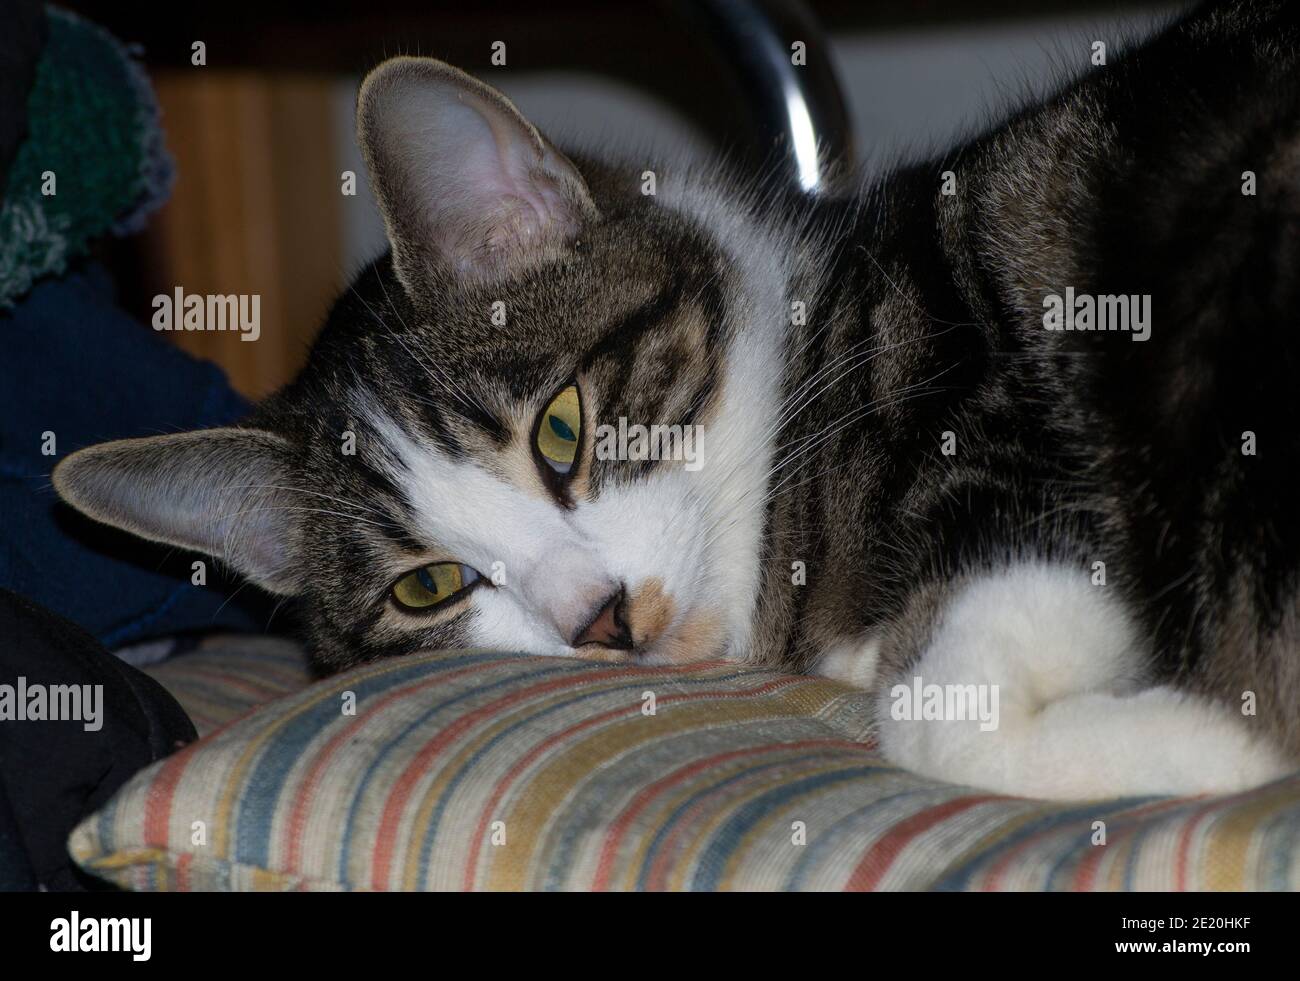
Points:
[(906, 478)]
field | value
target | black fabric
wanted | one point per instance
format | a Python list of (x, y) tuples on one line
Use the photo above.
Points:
[(54, 773), (22, 36)]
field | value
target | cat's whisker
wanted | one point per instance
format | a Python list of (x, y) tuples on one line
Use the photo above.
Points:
[(219, 518), (467, 398), (783, 419), (302, 490), (431, 370), (906, 392), (770, 492)]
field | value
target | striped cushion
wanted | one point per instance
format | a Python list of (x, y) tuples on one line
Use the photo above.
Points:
[(230, 674), (466, 770)]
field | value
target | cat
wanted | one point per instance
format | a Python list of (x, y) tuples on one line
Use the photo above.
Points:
[(919, 467)]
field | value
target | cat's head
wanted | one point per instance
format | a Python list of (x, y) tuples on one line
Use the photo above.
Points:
[(461, 462)]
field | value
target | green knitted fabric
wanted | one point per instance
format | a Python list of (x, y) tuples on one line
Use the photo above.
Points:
[(92, 122)]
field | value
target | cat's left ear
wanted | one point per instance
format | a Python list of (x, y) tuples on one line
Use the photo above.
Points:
[(226, 492), (465, 183)]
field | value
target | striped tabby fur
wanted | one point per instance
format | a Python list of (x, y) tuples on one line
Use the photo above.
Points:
[(905, 476)]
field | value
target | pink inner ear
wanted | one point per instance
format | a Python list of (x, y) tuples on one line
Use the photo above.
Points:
[(487, 188)]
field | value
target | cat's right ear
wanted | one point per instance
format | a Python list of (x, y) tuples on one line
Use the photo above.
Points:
[(466, 184), (222, 492)]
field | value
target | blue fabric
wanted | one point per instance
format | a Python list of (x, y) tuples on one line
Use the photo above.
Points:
[(74, 364)]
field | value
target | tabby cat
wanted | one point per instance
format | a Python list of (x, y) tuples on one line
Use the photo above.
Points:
[(1023, 418)]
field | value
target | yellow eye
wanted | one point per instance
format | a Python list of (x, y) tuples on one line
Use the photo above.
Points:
[(559, 429), (432, 585)]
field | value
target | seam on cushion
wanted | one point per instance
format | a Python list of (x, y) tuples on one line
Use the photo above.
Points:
[(218, 865)]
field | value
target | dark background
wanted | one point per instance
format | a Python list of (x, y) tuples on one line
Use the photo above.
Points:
[(261, 133)]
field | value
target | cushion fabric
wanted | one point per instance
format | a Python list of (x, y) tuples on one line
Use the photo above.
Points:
[(228, 675), (473, 770)]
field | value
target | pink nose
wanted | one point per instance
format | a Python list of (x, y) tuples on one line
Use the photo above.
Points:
[(607, 626)]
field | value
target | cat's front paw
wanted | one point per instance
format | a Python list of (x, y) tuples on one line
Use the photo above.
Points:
[(1029, 686)]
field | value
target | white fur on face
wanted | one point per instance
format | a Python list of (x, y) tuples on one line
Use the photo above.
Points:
[(550, 579), (690, 531), (741, 443), (695, 532)]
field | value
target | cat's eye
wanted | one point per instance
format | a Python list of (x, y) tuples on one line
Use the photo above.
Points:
[(433, 584), (559, 430)]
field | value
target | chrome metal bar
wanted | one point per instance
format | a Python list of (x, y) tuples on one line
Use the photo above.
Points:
[(795, 113)]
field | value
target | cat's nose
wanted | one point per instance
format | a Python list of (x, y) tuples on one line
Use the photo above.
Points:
[(607, 625)]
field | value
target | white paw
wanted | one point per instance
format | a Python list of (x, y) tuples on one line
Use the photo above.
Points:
[(1093, 745), (1058, 663), (853, 662)]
